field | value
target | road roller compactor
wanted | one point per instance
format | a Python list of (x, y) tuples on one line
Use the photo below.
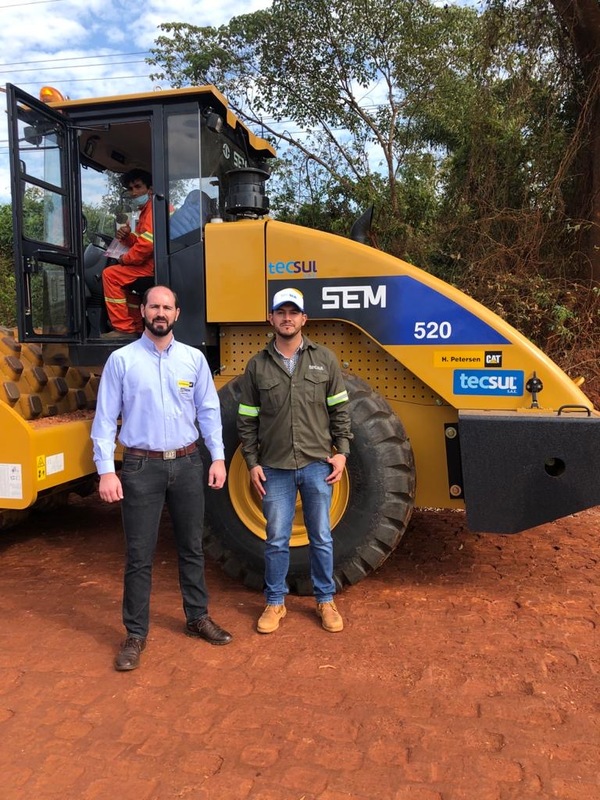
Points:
[(451, 407)]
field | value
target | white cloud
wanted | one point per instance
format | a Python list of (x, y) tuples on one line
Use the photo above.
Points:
[(78, 46)]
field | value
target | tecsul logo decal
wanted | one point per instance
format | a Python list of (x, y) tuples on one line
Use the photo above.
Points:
[(488, 382)]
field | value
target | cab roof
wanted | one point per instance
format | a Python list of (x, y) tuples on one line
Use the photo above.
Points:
[(209, 94)]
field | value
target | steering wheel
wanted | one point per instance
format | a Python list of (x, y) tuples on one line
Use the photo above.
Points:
[(100, 239)]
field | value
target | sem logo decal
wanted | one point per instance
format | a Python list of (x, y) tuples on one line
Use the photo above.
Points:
[(487, 382), (353, 297), (391, 309)]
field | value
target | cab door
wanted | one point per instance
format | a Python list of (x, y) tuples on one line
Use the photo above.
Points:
[(47, 220)]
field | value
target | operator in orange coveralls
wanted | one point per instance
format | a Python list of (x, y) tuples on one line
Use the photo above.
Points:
[(137, 262)]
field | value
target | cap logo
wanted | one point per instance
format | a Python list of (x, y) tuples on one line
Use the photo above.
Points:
[(288, 296)]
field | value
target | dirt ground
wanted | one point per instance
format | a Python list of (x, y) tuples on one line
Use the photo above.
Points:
[(468, 670)]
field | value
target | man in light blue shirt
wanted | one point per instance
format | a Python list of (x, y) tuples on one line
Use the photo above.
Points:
[(160, 389)]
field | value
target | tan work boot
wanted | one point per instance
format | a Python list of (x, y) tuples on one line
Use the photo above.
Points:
[(270, 618), (331, 619)]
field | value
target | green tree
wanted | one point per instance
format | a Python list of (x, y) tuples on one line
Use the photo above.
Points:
[(334, 81), (34, 223), (524, 178), (575, 29), (501, 145), (7, 275), (474, 133)]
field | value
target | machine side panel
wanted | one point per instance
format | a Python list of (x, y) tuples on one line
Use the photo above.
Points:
[(38, 456), (520, 470), (462, 350), (236, 286)]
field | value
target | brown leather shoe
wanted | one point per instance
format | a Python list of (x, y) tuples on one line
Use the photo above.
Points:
[(128, 656), (205, 628)]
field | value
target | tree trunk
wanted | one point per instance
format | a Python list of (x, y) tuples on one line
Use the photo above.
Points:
[(581, 20)]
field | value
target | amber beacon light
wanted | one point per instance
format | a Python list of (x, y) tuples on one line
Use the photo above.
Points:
[(48, 94)]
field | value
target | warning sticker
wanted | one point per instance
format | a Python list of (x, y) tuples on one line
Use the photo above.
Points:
[(41, 468), (11, 482), (55, 463)]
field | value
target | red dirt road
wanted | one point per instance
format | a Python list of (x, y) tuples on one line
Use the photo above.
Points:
[(468, 670)]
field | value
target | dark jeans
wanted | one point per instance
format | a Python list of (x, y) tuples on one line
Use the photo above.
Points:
[(147, 485)]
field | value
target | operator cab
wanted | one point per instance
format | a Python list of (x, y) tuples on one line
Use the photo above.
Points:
[(68, 158)]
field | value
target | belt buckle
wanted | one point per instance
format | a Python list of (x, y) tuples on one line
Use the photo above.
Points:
[(169, 455)]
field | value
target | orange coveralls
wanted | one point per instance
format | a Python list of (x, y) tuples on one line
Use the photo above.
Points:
[(138, 261)]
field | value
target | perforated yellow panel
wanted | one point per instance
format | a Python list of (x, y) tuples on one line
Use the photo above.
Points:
[(357, 353)]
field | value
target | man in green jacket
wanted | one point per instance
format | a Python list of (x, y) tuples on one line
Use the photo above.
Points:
[(293, 411)]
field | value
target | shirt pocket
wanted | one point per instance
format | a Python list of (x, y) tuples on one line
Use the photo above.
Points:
[(316, 386), (184, 391), (271, 391)]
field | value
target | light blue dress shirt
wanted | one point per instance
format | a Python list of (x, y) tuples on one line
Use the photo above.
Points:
[(159, 396)]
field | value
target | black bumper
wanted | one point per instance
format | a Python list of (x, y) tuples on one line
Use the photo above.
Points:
[(522, 469)]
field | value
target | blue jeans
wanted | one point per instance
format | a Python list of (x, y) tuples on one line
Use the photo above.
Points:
[(279, 506), (147, 484)]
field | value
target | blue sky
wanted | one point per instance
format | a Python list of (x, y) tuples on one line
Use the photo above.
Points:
[(90, 48)]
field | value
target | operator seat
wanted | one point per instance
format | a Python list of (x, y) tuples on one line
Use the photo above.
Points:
[(94, 262), (190, 217), (139, 285)]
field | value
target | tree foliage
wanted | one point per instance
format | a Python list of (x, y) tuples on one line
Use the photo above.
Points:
[(456, 124), (33, 214), (464, 128), (7, 277), (474, 132), (336, 83)]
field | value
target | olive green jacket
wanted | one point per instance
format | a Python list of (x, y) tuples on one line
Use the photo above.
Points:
[(288, 421)]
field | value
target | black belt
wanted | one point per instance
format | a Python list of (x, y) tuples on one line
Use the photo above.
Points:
[(166, 455)]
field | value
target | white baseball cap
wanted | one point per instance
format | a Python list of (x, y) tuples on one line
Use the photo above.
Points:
[(288, 296)]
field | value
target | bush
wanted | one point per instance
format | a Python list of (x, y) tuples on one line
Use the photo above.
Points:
[(560, 316), (8, 301)]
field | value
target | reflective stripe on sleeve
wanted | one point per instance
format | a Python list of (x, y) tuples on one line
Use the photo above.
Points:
[(336, 399), (248, 411)]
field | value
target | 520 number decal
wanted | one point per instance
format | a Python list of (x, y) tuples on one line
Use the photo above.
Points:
[(432, 330)]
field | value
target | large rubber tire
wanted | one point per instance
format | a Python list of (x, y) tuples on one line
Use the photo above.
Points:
[(371, 507)]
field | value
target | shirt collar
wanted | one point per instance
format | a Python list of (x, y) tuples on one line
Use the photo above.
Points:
[(149, 345), (295, 353)]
